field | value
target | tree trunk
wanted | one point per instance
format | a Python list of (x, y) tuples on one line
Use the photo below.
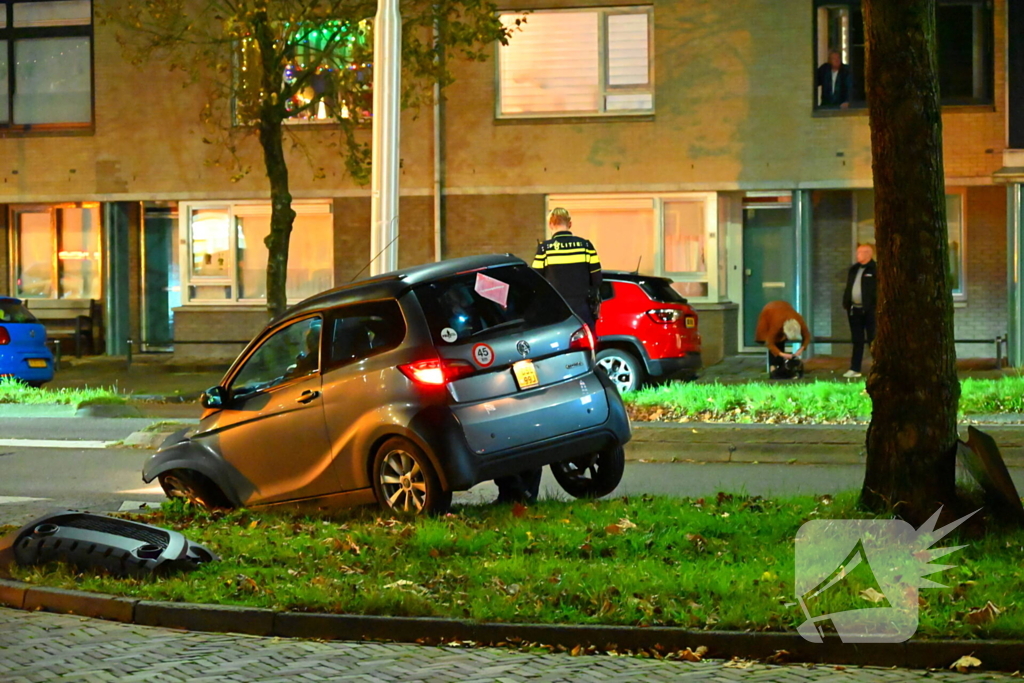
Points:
[(913, 385), (272, 114)]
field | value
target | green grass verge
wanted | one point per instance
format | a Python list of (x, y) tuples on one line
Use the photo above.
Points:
[(13, 391), (723, 564), (814, 402)]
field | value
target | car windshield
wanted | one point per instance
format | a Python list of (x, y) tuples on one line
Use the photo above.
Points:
[(661, 290), (457, 310), (14, 312)]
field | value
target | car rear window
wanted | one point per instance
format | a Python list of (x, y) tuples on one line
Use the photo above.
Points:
[(454, 304), (661, 290), (14, 312)]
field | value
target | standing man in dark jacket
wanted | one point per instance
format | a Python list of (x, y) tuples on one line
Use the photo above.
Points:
[(571, 265), (859, 300)]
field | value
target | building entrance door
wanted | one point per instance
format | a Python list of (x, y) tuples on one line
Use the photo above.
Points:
[(769, 260), (161, 289)]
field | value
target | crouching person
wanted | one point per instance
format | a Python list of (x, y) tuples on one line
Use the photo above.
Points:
[(777, 325)]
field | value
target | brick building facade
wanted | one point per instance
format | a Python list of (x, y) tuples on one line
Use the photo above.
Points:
[(686, 136)]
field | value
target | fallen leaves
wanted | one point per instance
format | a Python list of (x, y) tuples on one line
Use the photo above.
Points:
[(518, 510), (872, 595), (965, 663), (619, 527), (983, 615)]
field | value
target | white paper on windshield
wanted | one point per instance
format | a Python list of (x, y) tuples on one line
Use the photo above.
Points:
[(491, 289)]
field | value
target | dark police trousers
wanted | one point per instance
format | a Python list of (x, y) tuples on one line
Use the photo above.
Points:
[(862, 324)]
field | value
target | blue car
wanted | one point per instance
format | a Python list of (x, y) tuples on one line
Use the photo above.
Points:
[(23, 352)]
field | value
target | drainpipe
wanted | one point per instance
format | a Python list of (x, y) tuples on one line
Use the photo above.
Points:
[(438, 157)]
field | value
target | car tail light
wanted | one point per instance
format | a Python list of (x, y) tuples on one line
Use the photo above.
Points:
[(582, 339), (665, 316), (5, 336), (435, 371)]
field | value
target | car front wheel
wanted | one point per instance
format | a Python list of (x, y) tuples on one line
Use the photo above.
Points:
[(193, 487), (591, 476), (623, 368), (404, 481)]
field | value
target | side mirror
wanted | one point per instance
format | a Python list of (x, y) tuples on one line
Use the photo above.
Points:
[(214, 397)]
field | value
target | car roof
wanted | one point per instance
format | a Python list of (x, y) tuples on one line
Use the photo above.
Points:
[(626, 276), (394, 284)]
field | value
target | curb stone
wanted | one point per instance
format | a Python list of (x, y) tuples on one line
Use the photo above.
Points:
[(995, 655)]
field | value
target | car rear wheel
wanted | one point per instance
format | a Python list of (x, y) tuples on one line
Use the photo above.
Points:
[(404, 480), (623, 368), (591, 476), (194, 487)]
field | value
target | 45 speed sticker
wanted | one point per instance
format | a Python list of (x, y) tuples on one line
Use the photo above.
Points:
[(483, 355)]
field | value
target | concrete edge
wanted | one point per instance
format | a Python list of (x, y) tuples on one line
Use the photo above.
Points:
[(995, 655)]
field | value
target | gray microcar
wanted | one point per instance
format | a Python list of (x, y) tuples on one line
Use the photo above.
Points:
[(401, 389)]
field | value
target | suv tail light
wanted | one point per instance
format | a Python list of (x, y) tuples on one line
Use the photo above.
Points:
[(665, 316), (5, 336), (436, 371), (582, 339)]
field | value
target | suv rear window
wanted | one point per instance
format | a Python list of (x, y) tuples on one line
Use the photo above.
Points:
[(661, 290), (14, 312), (453, 303)]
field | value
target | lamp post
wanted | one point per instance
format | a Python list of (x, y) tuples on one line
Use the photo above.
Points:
[(387, 84)]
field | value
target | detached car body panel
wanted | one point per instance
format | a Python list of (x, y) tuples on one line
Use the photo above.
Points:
[(476, 362), (23, 351)]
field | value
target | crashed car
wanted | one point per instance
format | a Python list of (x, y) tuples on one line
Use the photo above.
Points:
[(401, 389)]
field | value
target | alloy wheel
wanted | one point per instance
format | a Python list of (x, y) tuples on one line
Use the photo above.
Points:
[(619, 372), (403, 482)]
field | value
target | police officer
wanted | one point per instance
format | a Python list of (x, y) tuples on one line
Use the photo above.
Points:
[(571, 265)]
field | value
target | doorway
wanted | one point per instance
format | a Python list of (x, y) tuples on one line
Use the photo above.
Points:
[(161, 288), (769, 257)]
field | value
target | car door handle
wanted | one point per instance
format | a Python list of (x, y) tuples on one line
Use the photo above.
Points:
[(307, 396)]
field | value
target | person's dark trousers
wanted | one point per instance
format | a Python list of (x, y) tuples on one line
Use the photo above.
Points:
[(776, 364), (862, 327), (519, 488)]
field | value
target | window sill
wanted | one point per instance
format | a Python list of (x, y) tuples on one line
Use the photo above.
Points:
[(862, 110), (47, 130), (573, 119)]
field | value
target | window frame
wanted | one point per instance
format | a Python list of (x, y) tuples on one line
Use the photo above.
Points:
[(11, 35), (712, 244), (861, 107), (56, 237), (231, 281), (604, 88)]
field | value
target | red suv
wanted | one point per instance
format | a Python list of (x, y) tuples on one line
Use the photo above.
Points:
[(646, 330)]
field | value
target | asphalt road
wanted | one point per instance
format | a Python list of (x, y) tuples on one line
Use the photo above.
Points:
[(63, 428)]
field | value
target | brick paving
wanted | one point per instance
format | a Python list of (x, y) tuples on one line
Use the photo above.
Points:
[(36, 648)]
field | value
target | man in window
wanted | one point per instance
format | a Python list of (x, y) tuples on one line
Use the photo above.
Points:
[(835, 82), (859, 299)]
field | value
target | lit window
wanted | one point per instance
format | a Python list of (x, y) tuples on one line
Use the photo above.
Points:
[(671, 235), (955, 231), (330, 75), (576, 63), (228, 254), (73, 234), (963, 37), (46, 62)]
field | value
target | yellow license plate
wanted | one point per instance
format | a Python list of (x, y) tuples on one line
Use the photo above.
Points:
[(690, 322), (37, 362), (525, 374)]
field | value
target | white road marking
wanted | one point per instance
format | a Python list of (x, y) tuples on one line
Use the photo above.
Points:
[(18, 499), (153, 489), (55, 443), (133, 505)]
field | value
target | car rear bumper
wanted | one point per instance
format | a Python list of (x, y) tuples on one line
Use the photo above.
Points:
[(15, 364), (460, 468), (689, 364)]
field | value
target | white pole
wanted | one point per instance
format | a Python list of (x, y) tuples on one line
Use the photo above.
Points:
[(387, 84)]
